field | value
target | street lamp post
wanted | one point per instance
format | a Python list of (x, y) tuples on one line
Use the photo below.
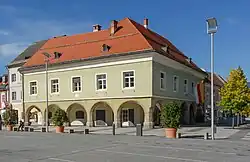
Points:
[(47, 56), (212, 29)]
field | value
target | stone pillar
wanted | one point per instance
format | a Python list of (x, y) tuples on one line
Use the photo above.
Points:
[(148, 120), (117, 120), (89, 122)]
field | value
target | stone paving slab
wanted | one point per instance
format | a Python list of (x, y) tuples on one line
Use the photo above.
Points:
[(51, 147), (222, 132)]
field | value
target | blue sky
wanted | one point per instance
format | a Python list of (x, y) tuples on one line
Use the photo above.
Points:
[(182, 22)]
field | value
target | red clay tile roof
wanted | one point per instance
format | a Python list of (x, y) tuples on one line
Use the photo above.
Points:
[(217, 80), (130, 37)]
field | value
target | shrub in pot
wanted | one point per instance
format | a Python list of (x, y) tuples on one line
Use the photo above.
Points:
[(170, 119), (59, 117), (7, 118)]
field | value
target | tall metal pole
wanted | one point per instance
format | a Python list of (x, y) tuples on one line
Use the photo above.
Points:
[(212, 84), (47, 95)]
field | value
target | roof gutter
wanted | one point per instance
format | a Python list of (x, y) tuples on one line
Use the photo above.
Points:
[(42, 66)]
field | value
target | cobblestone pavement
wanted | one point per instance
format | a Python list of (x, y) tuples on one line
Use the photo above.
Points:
[(242, 133), (51, 147)]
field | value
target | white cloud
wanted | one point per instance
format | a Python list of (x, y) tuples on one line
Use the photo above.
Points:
[(3, 32), (8, 50), (22, 31)]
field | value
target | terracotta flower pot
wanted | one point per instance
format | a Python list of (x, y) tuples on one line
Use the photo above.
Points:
[(9, 127), (59, 129), (170, 132)]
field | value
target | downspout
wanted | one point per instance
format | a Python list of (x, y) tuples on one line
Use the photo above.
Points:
[(8, 89), (23, 115)]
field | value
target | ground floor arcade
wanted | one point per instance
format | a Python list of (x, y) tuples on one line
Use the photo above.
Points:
[(122, 112)]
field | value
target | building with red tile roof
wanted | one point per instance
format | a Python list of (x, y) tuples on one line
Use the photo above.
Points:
[(122, 75)]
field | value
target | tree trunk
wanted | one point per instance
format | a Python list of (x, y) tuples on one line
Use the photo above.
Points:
[(241, 119), (238, 120), (233, 122)]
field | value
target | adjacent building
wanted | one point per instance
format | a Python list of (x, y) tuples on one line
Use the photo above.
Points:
[(219, 81), (123, 75), (15, 78), (4, 93)]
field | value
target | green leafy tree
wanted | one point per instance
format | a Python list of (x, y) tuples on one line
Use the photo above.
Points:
[(170, 115), (8, 117), (235, 94)]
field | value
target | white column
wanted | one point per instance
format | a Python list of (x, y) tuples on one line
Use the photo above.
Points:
[(89, 119), (117, 120), (148, 119)]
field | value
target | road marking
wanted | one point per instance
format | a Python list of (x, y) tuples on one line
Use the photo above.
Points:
[(57, 159), (146, 155), (187, 149)]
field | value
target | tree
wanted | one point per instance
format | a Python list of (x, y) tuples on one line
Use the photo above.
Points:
[(235, 94)]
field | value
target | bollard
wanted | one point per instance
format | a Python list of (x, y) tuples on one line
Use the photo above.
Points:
[(71, 131), (31, 130), (26, 129), (138, 130), (86, 131), (15, 129), (206, 136), (113, 129), (178, 135), (43, 129)]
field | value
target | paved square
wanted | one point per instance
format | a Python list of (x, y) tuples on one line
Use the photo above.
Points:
[(51, 147)]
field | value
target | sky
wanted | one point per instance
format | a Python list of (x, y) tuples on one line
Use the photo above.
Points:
[(182, 22)]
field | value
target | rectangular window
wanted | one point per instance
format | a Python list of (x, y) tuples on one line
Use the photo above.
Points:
[(101, 81), (13, 77), (163, 81), (13, 96), (54, 86), (185, 86), (33, 88), (76, 84), (128, 79), (175, 84), (193, 87)]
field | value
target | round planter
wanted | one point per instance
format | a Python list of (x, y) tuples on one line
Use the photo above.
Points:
[(170, 132), (59, 129), (9, 127)]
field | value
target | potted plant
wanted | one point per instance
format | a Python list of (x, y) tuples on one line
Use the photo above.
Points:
[(7, 118), (59, 117), (170, 118)]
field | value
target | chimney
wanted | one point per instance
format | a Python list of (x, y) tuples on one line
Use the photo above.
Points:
[(96, 27), (145, 23), (113, 27)]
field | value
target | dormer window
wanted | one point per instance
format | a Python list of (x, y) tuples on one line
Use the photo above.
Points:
[(57, 55), (26, 57), (105, 48)]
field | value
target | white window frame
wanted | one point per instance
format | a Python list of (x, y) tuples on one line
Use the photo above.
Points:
[(177, 84), (164, 80), (122, 76), (96, 81), (58, 86), (186, 86), (14, 74), (20, 79), (13, 95), (72, 84), (36, 88)]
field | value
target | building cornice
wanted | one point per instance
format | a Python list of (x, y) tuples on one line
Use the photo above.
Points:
[(57, 65)]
